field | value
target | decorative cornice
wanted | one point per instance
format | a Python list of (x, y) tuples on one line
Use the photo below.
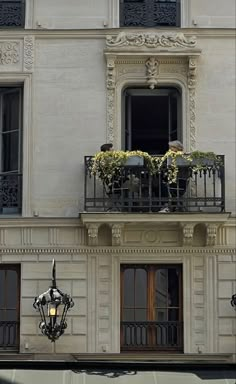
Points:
[(9, 52), (120, 250), (28, 53), (151, 40)]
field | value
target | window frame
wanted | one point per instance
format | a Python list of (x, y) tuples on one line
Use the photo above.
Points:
[(151, 270), (11, 178), (17, 269)]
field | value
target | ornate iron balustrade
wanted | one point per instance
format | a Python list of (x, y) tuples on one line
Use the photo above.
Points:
[(12, 13), (10, 193), (9, 335), (136, 190), (152, 335), (149, 13)]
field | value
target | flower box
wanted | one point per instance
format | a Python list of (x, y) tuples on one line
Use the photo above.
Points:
[(134, 161)]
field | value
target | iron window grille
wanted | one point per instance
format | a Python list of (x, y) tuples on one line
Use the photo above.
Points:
[(12, 13), (149, 13)]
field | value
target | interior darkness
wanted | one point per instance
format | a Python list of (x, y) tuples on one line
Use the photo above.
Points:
[(153, 123)]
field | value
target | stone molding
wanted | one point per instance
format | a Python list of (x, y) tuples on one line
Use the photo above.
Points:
[(28, 53), (151, 40), (9, 52), (148, 59), (118, 251)]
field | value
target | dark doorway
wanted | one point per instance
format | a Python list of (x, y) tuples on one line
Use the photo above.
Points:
[(152, 119)]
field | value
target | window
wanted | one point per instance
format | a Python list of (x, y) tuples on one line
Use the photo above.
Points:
[(9, 306), (10, 149), (151, 307), (149, 13), (152, 118), (12, 13)]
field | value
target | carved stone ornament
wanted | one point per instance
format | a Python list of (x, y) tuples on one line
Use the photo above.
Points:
[(9, 52), (188, 230), (151, 40), (92, 234), (116, 230), (152, 65), (28, 53), (192, 73), (211, 234)]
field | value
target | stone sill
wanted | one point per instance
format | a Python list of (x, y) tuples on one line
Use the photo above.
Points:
[(125, 218)]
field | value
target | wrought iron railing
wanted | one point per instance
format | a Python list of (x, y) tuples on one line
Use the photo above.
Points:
[(9, 335), (137, 190), (149, 13), (10, 193), (12, 13), (152, 335)]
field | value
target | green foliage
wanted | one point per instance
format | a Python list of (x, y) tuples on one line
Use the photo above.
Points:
[(107, 165)]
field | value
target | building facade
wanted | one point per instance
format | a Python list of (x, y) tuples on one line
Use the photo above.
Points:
[(137, 74)]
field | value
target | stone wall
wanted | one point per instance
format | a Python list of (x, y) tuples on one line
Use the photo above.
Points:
[(91, 274), (52, 14)]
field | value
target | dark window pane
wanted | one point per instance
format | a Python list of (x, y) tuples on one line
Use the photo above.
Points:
[(128, 315), (173, 314), (2, 315), (161, 288), (10, 142), (11, 111), (128, 288), (173, 287), (141, 314), (141, 288), (161, 315), (11, 315), (11, 289), (2, 291)]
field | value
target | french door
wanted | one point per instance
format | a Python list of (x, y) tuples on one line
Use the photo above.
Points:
[(151, 307), (151, 118)]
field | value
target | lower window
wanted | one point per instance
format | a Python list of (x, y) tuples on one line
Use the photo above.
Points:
[(151, 307), (9, 307)]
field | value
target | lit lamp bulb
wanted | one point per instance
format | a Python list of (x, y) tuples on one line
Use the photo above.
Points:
[(53, 311)]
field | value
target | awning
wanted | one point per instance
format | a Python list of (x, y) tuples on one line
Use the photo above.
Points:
[(22, 376)]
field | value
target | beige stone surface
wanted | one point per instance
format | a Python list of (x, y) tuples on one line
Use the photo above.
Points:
[(66, 105)]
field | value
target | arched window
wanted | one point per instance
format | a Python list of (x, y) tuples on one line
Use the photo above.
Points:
[(149, 13), (12, 13)]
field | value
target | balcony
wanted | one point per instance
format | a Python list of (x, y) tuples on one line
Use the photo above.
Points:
[(137, 190), (149, 13), (9, 335), (10, 193), (152, 335), (12, 13)]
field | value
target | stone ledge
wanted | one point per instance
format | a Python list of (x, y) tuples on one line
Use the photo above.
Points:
[(131, 218)]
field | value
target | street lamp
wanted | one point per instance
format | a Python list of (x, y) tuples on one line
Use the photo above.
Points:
[(53, 306), (233, 301)]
